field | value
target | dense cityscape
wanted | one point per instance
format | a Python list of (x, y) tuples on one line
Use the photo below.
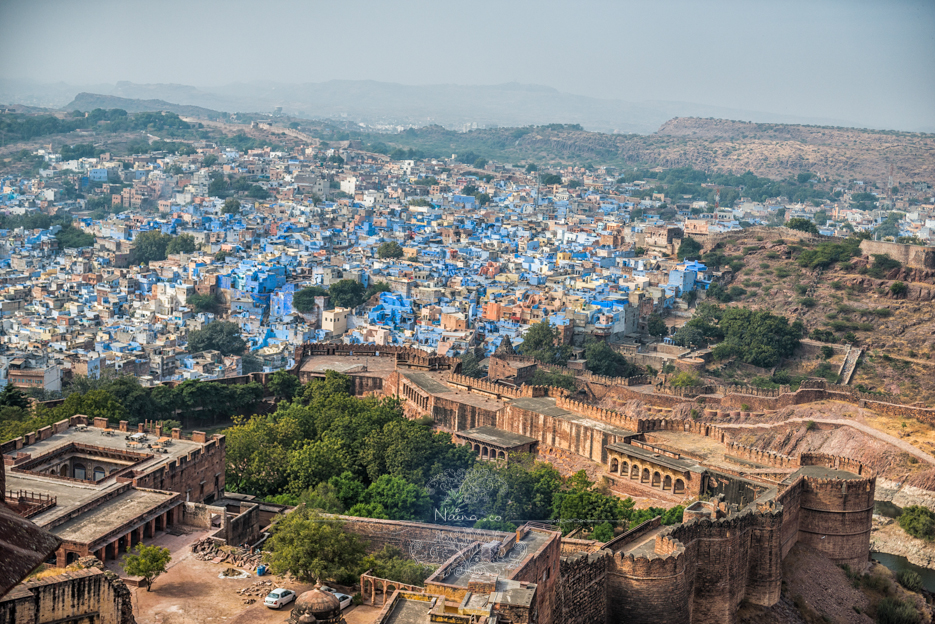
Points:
[(366, 313)]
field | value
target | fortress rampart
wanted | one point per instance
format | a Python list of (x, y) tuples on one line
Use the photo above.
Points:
[(696, 572)]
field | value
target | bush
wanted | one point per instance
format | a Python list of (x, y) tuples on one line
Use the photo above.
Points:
[(910, 580), (808, 302), (827, 352), (882, 312), (882, 264), (684, 380), (898, 289), (918, 522), (896, 611)]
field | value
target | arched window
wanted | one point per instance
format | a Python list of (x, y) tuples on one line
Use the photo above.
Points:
[(99, 473), (644, 478), (625, 469), (79, 472), (614, 465), (63, 471), (483, 452), (667, 483), (679, 486), (635, 472), (657, 479), (501, 455)]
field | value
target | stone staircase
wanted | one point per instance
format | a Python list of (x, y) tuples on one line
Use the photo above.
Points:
[(849, 365)]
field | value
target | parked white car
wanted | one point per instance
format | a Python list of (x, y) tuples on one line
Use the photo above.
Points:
[(343, 599), (279, 598)]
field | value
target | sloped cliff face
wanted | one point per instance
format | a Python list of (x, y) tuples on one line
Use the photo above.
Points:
[(888, 537)]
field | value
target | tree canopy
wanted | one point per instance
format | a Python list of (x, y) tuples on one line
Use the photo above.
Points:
[(222, 336), (756, 337), (603, 360), (390, 249), (304, 300), (803, 225), (689, 248), (148, 562), (539, 342), (312, 548), (347, 293)]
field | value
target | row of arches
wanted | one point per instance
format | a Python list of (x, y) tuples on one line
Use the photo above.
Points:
[(485, 452), (80, 471), (652, 478)]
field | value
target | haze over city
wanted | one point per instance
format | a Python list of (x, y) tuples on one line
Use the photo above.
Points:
[(847, 62)]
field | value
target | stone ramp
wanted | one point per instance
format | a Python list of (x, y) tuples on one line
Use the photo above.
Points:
[(849, 365)]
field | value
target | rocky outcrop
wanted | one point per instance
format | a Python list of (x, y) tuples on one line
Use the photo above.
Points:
[(888, 537)]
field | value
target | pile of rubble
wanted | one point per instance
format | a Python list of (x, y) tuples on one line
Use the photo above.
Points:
[(209, 550), (259, 589)]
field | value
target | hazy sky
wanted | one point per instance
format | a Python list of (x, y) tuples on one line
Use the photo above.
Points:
[(870, 61)]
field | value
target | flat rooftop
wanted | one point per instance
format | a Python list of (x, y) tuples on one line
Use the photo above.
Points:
[(498, 437), (547, 407), (71, 494), (111, 515), (433, 382), (531, 543), (408, 611)]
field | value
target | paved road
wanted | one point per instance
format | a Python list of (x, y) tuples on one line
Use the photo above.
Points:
[(876, 433)]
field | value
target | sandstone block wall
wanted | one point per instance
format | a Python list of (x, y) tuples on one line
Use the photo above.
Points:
[(582, 598), (89, 595), (913, 256)]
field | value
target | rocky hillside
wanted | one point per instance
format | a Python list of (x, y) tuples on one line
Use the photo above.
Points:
[(779, 150), (768, 150), (897, 332)]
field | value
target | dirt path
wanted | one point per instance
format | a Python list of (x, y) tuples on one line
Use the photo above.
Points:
[(876, 433)]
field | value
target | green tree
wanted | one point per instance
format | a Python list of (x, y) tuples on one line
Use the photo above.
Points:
[(347, 293), (684, 379), (545, 377), (204, 303), (148, 562), (918, 521), (689, 248), (209, 160), (756, 337), (312, 548), (304, 300), (603, 360), (94, 404), (390, 249), (603, 532), (283, 385), (222, 336), (389, 563), (898, 289), (803, 225), (231, 206), (539, 342), (70, 237), (150, 246), (184, 243), (375, 288), (470, 365), (316, 461), (656, 326), (11, 396), (401, 500)]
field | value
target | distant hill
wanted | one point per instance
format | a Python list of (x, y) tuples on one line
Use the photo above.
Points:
[(89, 101), (385, 104), (768, 150)]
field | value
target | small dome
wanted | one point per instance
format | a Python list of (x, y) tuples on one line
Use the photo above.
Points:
[(320, 604)]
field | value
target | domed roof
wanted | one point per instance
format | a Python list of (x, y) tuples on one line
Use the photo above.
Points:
[(321, 604)]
